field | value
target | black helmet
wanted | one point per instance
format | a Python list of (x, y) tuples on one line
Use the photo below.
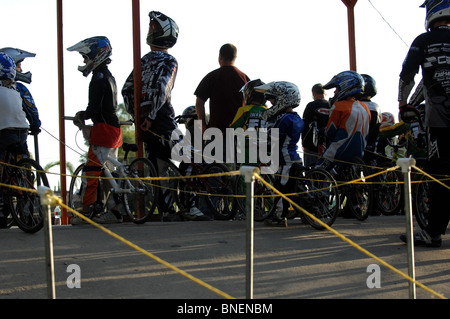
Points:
[(370, 86), (163, 32), (250, 95)]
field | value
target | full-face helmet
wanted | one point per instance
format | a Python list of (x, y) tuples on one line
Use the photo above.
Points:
[(347, 83), (188, 116), (18, 56), (284, 95), (436, 9), (7, 67), (95, 50), (370, 86), (163, 31), (387, 119), (252, 97)]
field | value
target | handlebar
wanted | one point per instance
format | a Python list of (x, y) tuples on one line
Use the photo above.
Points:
[(71, 118)]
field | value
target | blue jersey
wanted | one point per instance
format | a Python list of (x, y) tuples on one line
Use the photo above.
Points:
[(290, 126), (29, 107)]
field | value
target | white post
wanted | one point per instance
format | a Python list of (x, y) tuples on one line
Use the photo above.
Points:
[(249, 178), (48, 236), (405, 164)]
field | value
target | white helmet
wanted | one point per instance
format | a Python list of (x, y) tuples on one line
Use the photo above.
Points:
[(436, 9), (96, 49), (286, 94), (18, 56)]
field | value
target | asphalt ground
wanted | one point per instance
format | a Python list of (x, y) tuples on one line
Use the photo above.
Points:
[(297, 262)]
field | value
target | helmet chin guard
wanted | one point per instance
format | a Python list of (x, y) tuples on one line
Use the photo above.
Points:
[(95, 50)]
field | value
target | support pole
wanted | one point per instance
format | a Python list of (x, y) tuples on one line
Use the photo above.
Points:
[(44, 193), (62, 128), (405, 164), (249, 178), (137, 74), (350, 4)]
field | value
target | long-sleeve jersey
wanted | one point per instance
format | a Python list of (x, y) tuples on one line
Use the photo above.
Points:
[(430, 51), (347, 129), (290, 126), (159, 70), (29, 106), (102, 108)]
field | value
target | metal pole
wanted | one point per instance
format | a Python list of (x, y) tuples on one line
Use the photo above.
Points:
[(351, 32), (405, 164), (137, 74), (48, 236), (249, 178), (62, 136)]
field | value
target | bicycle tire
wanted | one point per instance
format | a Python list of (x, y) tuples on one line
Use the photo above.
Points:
[(222, 205), (321, 199), (264, 203), (420, 201), (388, 192), (141, 200), (360, 195), (76, 192), (24, 206)]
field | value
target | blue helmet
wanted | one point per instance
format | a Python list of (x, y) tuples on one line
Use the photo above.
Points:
[(347, 83), (96, 49), (436, 9), (7, 67)]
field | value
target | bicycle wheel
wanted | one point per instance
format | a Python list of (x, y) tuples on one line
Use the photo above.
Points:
[(360, 193), (319, 195), (141, 196), (264, 201), (25, 206), (218, 191), (388, 190), (420, 200)]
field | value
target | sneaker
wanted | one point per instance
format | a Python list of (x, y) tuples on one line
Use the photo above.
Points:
[(196, 214), (424, 239), (276, 220), (75, 220), (106, 218), (117, 214), (279, 222)]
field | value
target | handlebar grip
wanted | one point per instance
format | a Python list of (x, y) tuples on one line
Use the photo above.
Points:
[(71, 118)]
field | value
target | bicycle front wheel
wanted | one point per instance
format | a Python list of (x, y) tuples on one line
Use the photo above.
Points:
[(264, 200), (420, 200), (25, 206), (141, 196), (321, 198), (219, 191), (360, 194)]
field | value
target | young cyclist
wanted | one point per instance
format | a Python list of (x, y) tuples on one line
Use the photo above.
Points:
[(348, 126), (106, 134), (430, 52), (28, 104), (159, 71), (248, 117), (369, 91), (13, 122), (284, 97)]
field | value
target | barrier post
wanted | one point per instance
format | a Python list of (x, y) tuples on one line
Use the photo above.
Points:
[(249, 178), (405, 164), (46, 202)]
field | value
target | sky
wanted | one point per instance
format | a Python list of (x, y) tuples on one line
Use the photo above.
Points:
[(304, 42)]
